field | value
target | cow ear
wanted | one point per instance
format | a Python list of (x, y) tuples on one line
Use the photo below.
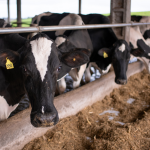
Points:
[(8, 58), (104, 52), (137, 52), (76, 57)]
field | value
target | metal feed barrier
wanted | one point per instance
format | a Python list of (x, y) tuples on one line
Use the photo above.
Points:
[(69, 27)]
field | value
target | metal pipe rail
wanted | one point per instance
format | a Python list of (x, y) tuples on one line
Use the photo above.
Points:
[(69, 27)]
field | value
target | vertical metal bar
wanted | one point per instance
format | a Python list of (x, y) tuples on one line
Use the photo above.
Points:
[(120, 13), (117, 12), (19, 12), (79, 6), (127, 19), (8, 10)]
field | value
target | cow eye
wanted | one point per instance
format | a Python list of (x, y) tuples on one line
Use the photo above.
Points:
[(24, 70), (59, 68)]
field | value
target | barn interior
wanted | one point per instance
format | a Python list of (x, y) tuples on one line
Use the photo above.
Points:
[(100, 115)]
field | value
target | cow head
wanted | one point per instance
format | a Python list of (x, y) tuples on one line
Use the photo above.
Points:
[(40, 63), (119, 55), (67, 48)]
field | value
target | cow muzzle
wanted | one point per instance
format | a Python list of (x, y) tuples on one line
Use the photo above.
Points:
[(44, 120), (121, 81)]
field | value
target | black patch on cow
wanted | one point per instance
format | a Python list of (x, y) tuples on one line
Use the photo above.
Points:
[(131, 45), (143, 50), (136, 18), (146, 34), (51, 21), (2, 21)]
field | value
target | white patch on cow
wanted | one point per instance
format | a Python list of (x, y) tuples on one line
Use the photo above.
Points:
[(71, 19), (107, 69), (146, 63), (61, 85), (143, 28), (122, 48), (74, 74), (60, 40), (148, 54), (5, 109), (79, 76), (42, 109), (41, 50), (134, 36)]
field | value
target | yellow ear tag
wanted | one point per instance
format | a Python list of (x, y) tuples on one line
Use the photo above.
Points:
[(105, 55), (74, 59), (9, 64)]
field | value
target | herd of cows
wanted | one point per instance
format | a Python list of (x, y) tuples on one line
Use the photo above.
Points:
[(36, 63)]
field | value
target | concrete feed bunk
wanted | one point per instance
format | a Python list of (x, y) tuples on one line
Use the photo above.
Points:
[(18, 131)]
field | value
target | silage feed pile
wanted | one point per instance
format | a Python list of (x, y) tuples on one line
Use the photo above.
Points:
[(121, 121)]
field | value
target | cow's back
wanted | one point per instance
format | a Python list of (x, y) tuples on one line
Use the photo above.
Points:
[(51, 20), (101, 37)]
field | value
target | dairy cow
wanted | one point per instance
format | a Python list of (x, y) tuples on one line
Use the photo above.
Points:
[(106, 38), (140, 47), (77, 39), (144, 29), (142, 19), (33, 67), (107, 48)]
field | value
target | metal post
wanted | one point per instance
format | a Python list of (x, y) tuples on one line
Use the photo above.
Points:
[(19, 12), (120, 13), (127, 19), (79, 6), (8, 10)]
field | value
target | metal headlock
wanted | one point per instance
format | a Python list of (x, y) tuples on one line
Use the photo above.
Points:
[(69, 27)]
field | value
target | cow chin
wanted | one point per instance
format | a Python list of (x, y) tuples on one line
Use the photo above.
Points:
[(44, 120)]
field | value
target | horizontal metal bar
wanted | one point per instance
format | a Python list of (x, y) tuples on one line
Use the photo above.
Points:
[(18, 30), (69, 27)]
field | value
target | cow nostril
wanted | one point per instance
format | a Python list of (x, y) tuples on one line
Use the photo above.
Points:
[(38, 121), (45, 120), (120, 81)]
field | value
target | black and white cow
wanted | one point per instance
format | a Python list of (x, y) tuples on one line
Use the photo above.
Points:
[(77, 38), (106, 38), (140, 46), (142, 19), (107, 48), (146, 36), (36, 64), (144, 29)]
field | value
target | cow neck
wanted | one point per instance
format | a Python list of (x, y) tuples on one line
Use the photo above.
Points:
[(13, 88)]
